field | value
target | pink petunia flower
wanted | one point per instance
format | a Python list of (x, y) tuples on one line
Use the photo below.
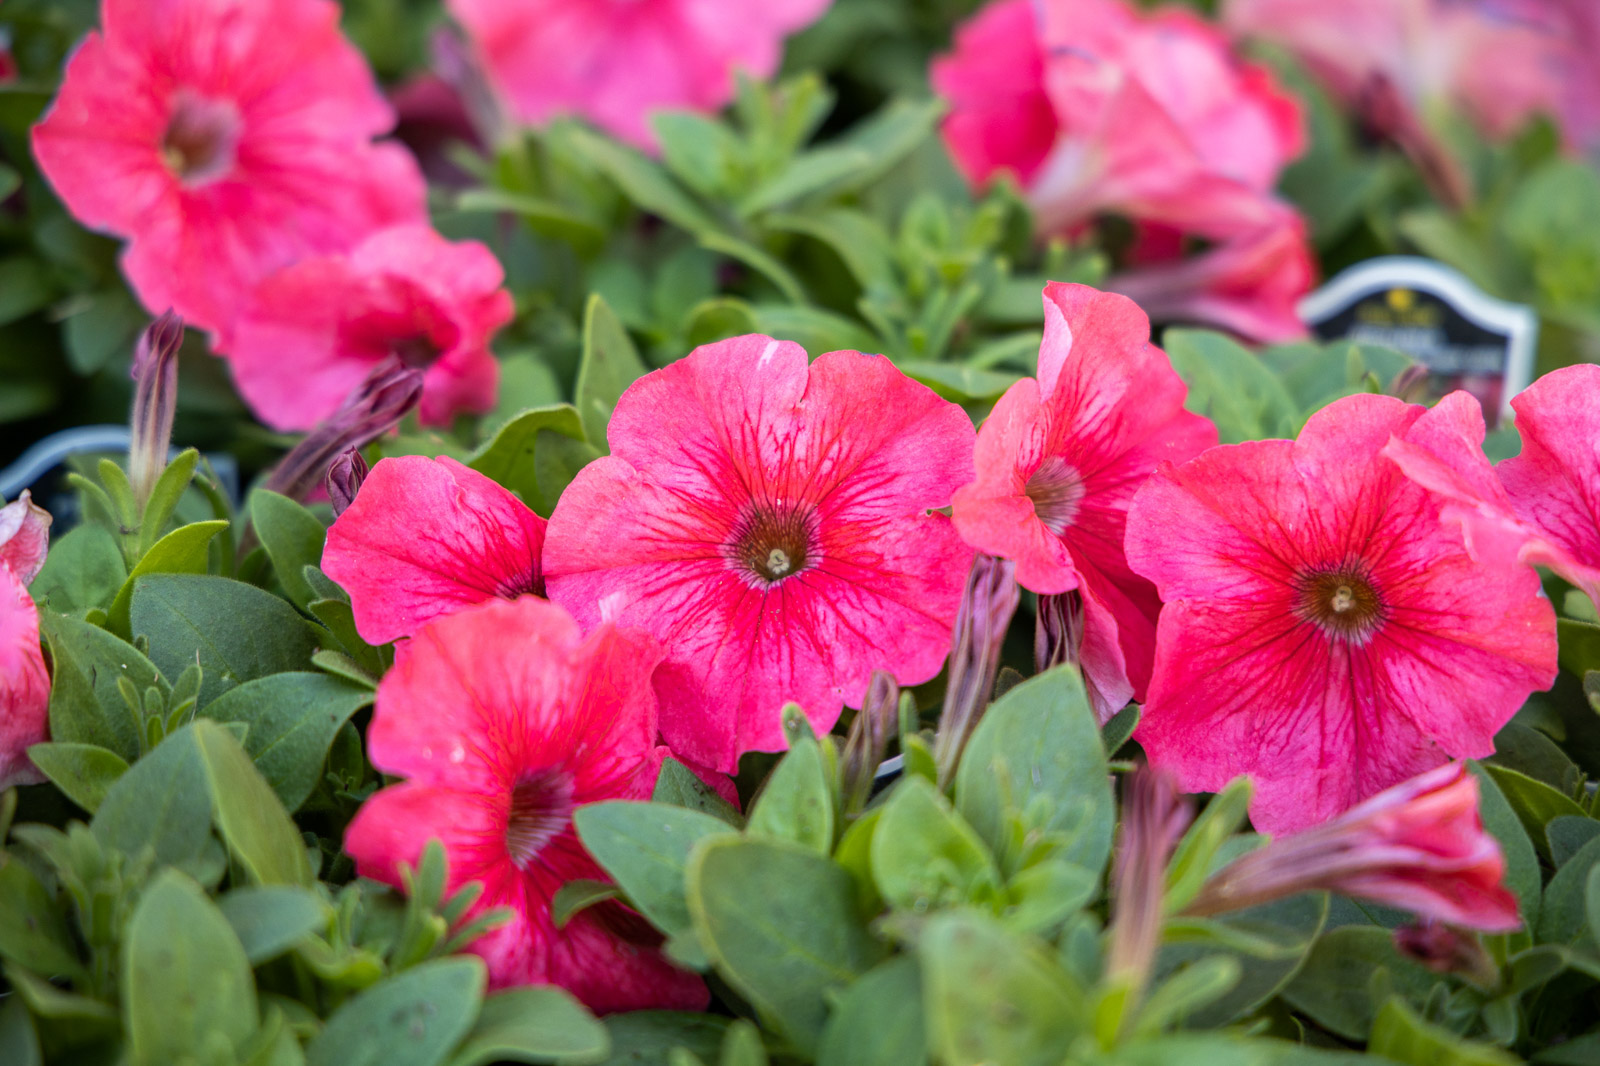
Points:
[(1419, 846), (617, 63), (426, 538), (1325, 630), (1059, 461), (1250, 284), (1554, 483), (504, 722), (1097, 109), (24, 680), (225, 139), (312, 331), (1394, 60), (770, 524)]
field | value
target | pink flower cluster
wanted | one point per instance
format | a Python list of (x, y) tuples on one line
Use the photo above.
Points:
[(1502, 61), (1099, 110), (231, 142), (1331, 616)]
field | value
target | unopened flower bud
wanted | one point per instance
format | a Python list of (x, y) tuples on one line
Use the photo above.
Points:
[(987, 605), (155, 402), (345, 476), (389, 393), (1443, 949), (1155, 815), (1419, 846), (869, 739)]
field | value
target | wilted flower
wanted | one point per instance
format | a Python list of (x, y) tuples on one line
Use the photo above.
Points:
[(615, 64), (1419, 846), (1446, 949), (313, 330), (1058, 462), (155, 402), (504, 721), (1324, 629), (24, 680), (1250, 284), (225, 139), (377, 404), (868, 740), (1097, 109), (770, 523), (426, 538)]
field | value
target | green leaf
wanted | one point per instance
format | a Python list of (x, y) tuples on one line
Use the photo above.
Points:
[(857, 238), (1523, 875), (84, 772), (544, 216), (646, 848), (758, 260), (19, 1044), (1269, 943), (993, 996), (808, 173), (679, 787), (33, 930), (1564, 916), (1194, 859), (108, 326), (84, 569), (1334, 988), (270, 919), (1401, 1035), (85, 704), (1038, 899), (164, 495), (252, 822), (412, 1019), (879, 1020), (717, 319), (1037, 758), (235, 631), (187, 990), (163, 802), (1535, 803), (780, 923), (293, 537), (610, 364), (889, 136), (293, 718), (537, 1025), (797, 803), (647, 1037), (24, 288), (186, 550), (814, 329), (511, 457), (960, 383), (1116, 732), (925, 856), (1231, 386), (641, 180), (1567, 835), (579, 895), (702, 152)]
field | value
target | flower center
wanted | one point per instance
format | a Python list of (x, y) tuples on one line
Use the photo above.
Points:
[(417, 351), (1056, 490), (1342, 602), (202, 139), (771, 543), (541, 808)]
